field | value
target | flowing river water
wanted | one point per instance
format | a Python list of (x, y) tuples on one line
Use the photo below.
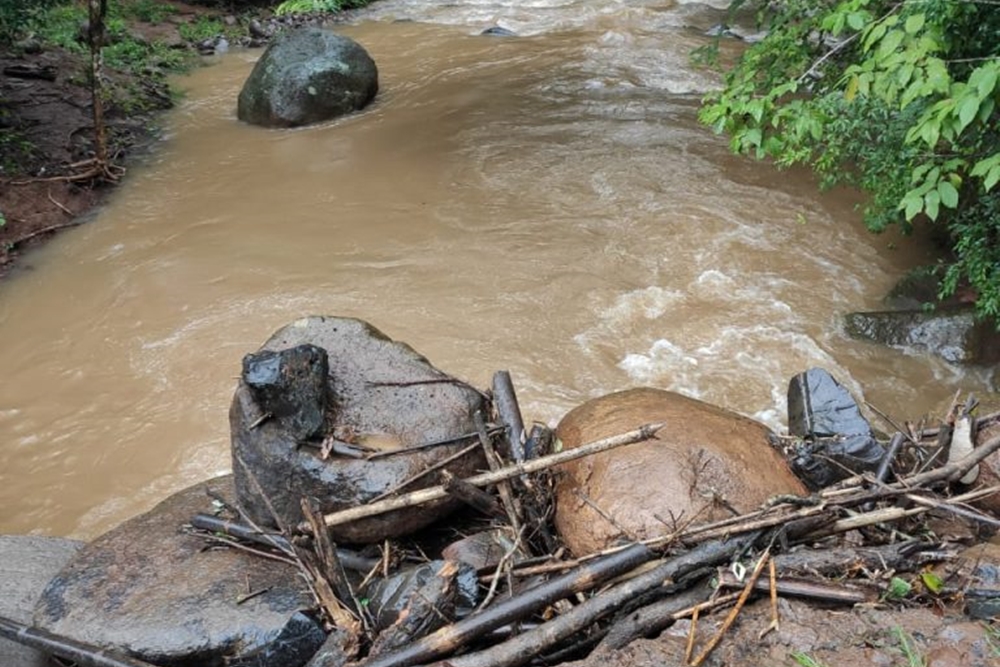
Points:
[(546, 204)]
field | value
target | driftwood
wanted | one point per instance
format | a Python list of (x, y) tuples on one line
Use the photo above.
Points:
[(437, 492), (471, 495), (654, 618), (213, 524), (520, 649), (453, 637), (806, 588), (83, 654), (509, 413)]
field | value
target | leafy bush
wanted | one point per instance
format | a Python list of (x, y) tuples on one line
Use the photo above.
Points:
[(16, 14), (310, 6), (897, 98), (150, 11)]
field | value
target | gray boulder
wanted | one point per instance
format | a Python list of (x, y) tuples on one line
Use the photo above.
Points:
[(307, 75), (151, 590), (952, 333), (382, 396), (27, 563)]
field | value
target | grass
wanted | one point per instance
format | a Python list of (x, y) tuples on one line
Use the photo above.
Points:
[(992, 638), (910, 652), (805, 660)]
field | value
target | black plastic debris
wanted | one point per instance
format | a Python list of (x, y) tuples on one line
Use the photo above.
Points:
[(837, 441), (415, 602)]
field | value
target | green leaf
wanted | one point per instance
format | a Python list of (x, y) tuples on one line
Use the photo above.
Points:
[(948, 194), (966, 111), (898, 589), (857, 20), (913, 206), (914, 23), (890, 43), (991, 178), (984, 79), (933, 582), (932, 202)]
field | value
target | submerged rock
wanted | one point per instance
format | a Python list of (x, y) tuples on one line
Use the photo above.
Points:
[(953, 333), (707, 463), (307, 75), (149, 589), (27, 563), (382, 395)]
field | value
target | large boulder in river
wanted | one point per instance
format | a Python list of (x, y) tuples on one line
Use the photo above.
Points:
[(307, 75), (379, 397), (705, 464), (27, 563), (152, 590)]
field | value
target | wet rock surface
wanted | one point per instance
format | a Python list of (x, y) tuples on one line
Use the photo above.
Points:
[(705, 461), (862, 636), (838, 440), (290, 385), (150, 589), (27, 563), (307, 75), (952, 333), (383, 396)]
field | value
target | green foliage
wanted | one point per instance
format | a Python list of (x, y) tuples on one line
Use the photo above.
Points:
[(900, 99), (150, 11), (898, 589), (201, 29), (321, 6), (910, 652), (805, 660), (15, 14)]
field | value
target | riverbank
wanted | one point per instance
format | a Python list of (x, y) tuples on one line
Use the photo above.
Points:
[(47, 125), (46, 122)]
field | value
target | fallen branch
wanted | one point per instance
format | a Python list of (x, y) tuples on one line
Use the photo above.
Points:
[(522, 648), (735, 611), (81, 653), (453, 637), (438, 492)]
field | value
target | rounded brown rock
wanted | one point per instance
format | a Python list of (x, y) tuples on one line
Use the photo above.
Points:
[(707, 463)]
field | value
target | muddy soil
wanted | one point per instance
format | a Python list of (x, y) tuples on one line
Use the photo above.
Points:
[(46, 127)]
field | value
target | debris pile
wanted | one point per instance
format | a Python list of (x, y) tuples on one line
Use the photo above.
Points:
[(385, 514)]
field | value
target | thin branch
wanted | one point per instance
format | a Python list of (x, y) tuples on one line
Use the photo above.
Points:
[(485, 479)]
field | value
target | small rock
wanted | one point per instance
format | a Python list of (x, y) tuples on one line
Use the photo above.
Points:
[(484, 550), (290, 385), (497, 31)]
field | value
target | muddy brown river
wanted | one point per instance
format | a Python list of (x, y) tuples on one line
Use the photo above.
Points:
[(546, 204)]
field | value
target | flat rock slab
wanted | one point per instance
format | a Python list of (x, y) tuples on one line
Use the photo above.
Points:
[(705, 463), (149, 589), (27, 563), (382, 396)]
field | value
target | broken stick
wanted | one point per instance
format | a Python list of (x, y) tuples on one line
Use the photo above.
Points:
[(485, 479)]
